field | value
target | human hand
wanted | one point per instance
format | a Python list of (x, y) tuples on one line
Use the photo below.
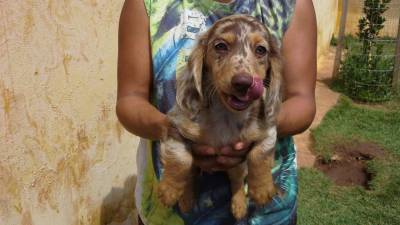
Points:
[(212, 159)]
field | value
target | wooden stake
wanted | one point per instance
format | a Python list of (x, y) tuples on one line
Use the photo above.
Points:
[(396, 73), (341, 36)]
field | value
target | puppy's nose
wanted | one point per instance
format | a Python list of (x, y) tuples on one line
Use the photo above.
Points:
[(241, 83)]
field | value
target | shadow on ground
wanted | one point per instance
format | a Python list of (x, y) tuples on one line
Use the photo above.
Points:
[(118, 207)]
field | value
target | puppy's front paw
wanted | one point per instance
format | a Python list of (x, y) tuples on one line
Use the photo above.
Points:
[(262, 193), (187, 201), (239, 205), (169, 194)]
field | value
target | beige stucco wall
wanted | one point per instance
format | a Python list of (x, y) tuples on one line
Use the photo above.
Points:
[(326, 12), (355, 12), (64, 158)]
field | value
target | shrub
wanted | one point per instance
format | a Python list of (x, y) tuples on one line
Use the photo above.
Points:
[(366, 74)]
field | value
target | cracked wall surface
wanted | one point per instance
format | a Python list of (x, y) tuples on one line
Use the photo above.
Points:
[(64, 158), (355, 12), (326, 13)]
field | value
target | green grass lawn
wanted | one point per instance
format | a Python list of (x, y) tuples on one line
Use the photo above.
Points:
[(322, 202)]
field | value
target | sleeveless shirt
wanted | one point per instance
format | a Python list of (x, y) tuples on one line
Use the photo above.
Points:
[(174, 26)]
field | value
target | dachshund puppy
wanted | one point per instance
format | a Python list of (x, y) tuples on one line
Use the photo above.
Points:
[(228, 92)]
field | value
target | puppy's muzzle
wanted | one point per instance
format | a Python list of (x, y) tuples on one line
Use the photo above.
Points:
[(241, 83), (246, 89)]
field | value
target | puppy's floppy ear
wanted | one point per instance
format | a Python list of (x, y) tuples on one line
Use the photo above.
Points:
[(189, 95), (273, 77), (195, 63)]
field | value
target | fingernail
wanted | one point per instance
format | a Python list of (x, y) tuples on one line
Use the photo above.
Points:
[(210, 151), (239, 146), (221, 160), (225, 150)]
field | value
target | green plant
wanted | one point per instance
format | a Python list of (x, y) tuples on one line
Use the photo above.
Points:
[(367, 78), (370, 24), (366, 74), (347, 123), (334, 41)]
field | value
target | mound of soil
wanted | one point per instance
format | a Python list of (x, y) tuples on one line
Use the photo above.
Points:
[(347, 166)]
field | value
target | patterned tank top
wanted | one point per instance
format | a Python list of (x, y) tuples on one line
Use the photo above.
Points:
[(174, 26)]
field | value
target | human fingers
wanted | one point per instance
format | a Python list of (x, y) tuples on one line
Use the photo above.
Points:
[(208, 164), (228, 162), (203, 150), (238, 149), (240, 145)]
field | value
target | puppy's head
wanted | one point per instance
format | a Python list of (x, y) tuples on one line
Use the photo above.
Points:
[(235, 59)]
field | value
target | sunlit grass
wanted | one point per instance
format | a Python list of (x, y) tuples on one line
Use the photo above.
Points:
[(322, 202)]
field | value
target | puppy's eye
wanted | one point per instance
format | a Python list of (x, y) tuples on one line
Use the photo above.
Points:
[(221, 46), (261, 50)]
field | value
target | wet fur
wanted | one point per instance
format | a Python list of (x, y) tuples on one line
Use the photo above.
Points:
[(201, 115)]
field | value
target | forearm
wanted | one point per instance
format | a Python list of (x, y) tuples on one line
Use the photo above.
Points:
[(299, 50), (296, 115), (141, 118)]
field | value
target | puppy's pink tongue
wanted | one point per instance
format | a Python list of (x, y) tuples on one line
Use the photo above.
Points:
[(256, 89)]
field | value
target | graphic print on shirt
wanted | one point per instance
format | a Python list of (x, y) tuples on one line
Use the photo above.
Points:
[(174, 27), (193, 23)]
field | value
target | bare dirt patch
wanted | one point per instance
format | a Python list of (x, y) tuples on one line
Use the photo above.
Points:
[(348, 165)]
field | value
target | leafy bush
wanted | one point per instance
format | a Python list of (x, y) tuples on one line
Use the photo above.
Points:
[(367, 78), (366, 74)]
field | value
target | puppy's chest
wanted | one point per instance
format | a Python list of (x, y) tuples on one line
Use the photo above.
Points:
[(223, 128)]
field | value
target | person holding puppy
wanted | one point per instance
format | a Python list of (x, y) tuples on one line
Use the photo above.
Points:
[(155, 40)]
